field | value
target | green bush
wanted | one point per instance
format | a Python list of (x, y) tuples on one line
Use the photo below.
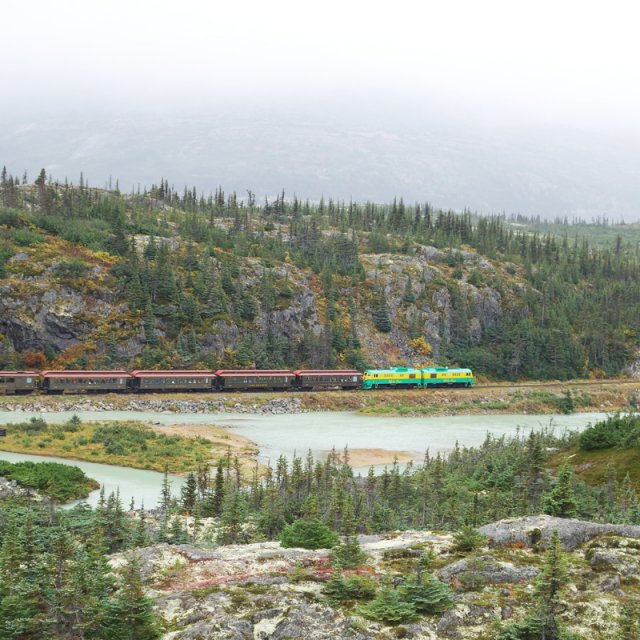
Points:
[(389, 607), (61, 482), (308, 534), (26, 237), (90, 232), (340, 589), (613, 432), (72, 425), (34, 425), (9, 218), (72, 268)]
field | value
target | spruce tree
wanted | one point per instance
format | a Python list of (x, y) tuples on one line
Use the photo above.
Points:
[(189, 491), (561, 501), (389, 607), (380, 311), (549, 585), (129, 612)]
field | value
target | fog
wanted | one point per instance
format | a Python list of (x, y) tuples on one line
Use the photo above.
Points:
[(494, 105)]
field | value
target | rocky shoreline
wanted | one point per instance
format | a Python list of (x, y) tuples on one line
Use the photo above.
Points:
[(273, 406)]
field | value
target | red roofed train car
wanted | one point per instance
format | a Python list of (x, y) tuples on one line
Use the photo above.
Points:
[(85, 381), (173, 380), (261, 379), (18, 382), (308, 379)]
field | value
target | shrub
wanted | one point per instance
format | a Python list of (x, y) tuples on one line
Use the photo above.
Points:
[(73, 424), (26, 237), (9, 217), (308, 534), (72, 268), (609, 433), (61, 482), (340, 589), (35, 425)]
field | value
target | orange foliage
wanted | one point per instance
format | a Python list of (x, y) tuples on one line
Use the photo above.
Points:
[(35, 360)]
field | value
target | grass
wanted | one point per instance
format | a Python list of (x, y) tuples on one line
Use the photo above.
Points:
[(592, 466), (128, 444)]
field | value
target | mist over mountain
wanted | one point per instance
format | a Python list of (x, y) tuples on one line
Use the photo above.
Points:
[(546, 171)]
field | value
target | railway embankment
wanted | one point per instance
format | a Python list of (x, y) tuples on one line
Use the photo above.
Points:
[(171, 404), (524, 398)]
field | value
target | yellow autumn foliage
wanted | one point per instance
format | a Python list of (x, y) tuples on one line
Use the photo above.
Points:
[(421, 346)]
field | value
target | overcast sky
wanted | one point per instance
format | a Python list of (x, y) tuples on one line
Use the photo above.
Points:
[(527, 62)]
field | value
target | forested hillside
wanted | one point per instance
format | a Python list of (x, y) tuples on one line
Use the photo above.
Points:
[(158, 278)]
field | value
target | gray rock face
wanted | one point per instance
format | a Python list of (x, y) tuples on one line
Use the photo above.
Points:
[(58, 317), (466, 613), (488, 570), (532, 529), (220, 628)]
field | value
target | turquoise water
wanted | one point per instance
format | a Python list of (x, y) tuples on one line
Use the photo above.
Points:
[(142, 486), (287, 434)]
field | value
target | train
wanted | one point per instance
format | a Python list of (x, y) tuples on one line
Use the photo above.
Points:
[(201, 380)]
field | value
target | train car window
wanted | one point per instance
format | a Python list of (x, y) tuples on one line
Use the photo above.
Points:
[(434, 375)]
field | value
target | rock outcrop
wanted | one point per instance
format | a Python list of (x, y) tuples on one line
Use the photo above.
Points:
[(261, 591), (11, 489), (531, 530)]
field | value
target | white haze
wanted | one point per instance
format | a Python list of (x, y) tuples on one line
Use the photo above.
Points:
[(546, 95)]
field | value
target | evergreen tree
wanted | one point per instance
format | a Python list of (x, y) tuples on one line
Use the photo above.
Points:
[(389, 607), (560, 501), (129, 612), (189, 492), (426, 593), (549, 584), (381, 317), (308, 534)]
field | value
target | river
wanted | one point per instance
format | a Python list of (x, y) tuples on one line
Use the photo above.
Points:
[(287, 434)]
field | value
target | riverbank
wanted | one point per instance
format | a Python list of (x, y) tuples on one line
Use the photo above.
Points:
[(524, 398)]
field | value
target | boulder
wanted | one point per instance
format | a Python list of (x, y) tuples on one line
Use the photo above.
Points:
[(530, 530)]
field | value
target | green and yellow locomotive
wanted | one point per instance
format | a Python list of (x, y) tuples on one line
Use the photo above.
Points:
[(406, 378)]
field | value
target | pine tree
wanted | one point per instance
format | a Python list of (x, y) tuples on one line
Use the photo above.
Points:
[(409, 297), (165, 493), (189, 491), (560, 501), (381, 317), (150, 331), (129, 612), (549, 585), (427, 594), (140, 536)]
